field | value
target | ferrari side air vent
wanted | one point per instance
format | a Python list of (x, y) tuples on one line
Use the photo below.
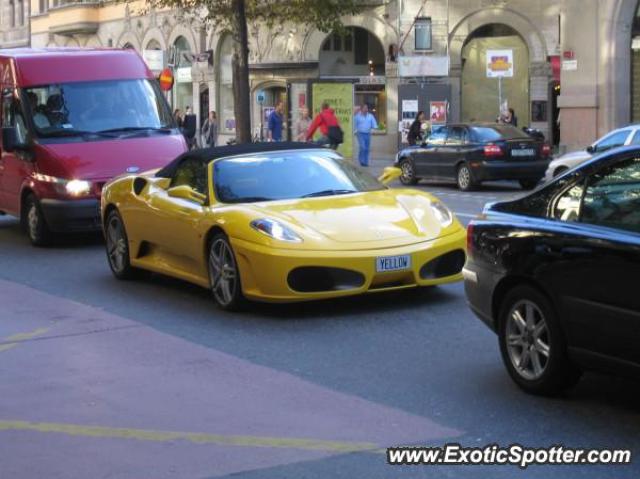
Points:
[(138, 185)]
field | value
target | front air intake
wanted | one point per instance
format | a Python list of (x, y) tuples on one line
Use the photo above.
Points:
[(317, 279), (448, 264)]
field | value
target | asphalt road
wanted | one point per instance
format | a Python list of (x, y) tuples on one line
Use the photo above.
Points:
[(147, 379)]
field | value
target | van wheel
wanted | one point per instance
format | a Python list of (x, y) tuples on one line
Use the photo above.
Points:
[(34, 222), (117, 245), (465, 178), (408, 169), (532, 344)]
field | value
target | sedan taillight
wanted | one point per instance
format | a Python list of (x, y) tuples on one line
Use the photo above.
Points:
[(546, 150), (469, 239), (493, 150)]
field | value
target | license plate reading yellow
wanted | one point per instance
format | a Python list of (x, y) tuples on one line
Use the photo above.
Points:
[(393, 263)]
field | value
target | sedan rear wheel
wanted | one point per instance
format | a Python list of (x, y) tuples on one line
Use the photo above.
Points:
[(528, 184), (560, 170), (465, 179), (532, 344), (408, 169), (224, 276)]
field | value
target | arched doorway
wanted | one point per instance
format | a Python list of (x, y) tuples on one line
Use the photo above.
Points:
[(635, 67), (480, 94), (183, 90)]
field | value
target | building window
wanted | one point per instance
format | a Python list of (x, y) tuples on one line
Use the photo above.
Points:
[(374, 96), (12, 14), (423, 34), (43, 6), (225, 103)]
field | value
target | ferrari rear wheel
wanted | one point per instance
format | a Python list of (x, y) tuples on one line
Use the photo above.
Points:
[(224, 276), (117, 245)]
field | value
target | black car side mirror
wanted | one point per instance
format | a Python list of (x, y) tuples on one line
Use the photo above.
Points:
[(11, 141), (591, 149)]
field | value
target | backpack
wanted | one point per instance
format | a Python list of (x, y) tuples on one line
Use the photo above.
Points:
[(336, 135)]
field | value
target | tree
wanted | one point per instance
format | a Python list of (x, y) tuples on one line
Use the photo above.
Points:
[(232, 16)]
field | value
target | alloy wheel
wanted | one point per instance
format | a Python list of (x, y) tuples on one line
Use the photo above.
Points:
[(223, 272), (464, 177), (407, 172), (116, 244), (527, 340)]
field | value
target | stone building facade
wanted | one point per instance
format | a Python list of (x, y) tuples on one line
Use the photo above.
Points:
[(574, 56), (14, 23)]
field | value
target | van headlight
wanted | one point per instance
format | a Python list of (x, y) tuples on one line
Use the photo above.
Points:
[(442, 213), (78, 187), (276, 230)]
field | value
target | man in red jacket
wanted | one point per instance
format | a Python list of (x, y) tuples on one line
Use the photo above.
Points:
[(327, 122)]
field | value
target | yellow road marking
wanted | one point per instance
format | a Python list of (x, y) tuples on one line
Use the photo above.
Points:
[(196, 438), (14, 340)]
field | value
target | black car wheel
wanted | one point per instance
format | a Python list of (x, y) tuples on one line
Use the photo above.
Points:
[(35, 223), (224, 275), (528, 184), (465, 178), (560, 170), (408, 169), (532, 344), (117, 245)]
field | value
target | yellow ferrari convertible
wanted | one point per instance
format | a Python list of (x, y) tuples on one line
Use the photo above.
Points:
[(279, 222)]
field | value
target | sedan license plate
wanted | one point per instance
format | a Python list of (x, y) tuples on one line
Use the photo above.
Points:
[(393, 263), (524, 152)]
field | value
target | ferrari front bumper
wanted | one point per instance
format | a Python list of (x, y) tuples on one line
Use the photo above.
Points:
[(266, 272)]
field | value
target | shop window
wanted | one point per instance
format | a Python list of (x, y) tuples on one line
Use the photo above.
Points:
[(423, 34), (376, 99), (348, 42), (361, 37), (337, 43)]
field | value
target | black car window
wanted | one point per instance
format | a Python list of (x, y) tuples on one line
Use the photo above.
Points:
[(498, 132), (438, 136), (457, 136), (567, 206), (612, 141), (193, 173), (612, 197)]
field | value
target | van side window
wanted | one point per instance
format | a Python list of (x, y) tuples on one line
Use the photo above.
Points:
[(12, 114)]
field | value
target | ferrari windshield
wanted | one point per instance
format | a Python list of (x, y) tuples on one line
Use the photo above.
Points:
[(288, 175), (66, 109)]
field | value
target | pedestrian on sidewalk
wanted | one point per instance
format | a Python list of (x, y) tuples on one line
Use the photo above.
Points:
[(364, 122), (415, 131), (303, 125), (210, 130), (329, 127), (275, 122)]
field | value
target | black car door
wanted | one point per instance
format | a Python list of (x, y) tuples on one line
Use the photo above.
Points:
[(427, 157), (452, 152), (597, 261)]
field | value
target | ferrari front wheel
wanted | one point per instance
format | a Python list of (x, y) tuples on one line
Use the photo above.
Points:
[(117, 245), (224, 276)]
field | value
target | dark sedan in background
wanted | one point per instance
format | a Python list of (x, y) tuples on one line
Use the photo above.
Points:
[(472, 153), (555, 274)]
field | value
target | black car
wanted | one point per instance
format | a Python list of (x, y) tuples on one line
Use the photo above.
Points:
[(472, 153), (556, 274)]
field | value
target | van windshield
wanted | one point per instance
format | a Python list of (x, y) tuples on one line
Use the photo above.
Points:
[(66, 109)]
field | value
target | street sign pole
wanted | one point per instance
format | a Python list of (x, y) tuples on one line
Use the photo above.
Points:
[(261, 97), (499, 96)]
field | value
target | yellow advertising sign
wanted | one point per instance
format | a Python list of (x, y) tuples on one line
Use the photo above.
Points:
[(339, 96)]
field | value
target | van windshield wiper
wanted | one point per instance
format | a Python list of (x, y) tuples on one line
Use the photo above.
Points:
[(126, 129), (329, 193), (67, 132)]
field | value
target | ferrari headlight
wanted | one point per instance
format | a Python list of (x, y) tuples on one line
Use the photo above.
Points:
[(276, 230), (78, 187), (442, 213)]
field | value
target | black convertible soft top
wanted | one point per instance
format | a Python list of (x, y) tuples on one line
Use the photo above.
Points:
[(206, 155)]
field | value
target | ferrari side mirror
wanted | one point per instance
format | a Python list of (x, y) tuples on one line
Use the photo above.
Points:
[(389, 174)]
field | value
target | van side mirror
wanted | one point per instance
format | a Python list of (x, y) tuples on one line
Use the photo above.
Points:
[(389, 174), (11, 141), (185, 192)]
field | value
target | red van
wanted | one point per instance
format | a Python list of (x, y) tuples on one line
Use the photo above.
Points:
[(71, 120)]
